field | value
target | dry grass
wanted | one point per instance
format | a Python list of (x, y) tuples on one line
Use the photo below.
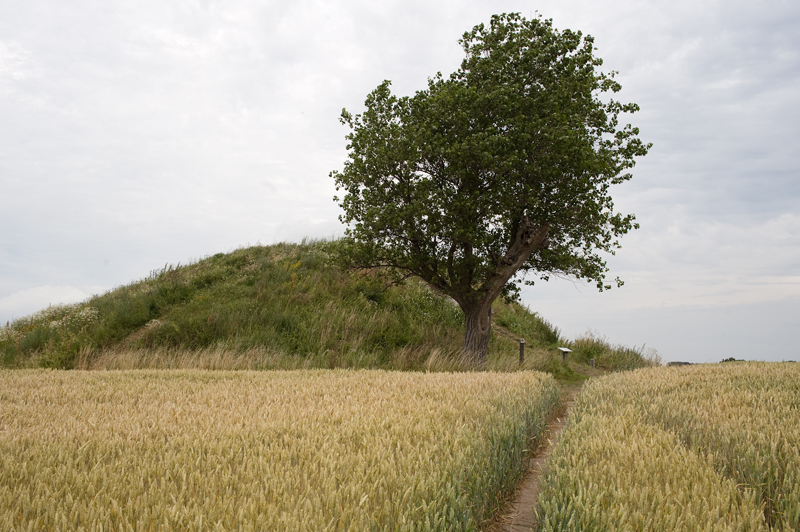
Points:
[(712, 443), (221, 357), (296, 450), (615, 473)]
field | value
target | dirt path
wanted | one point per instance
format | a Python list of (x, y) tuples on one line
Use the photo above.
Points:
[(519, 517)]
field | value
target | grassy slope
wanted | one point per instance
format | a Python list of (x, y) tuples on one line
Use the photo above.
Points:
[(279, 306)]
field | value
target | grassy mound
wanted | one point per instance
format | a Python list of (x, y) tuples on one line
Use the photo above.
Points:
[(263, 307)]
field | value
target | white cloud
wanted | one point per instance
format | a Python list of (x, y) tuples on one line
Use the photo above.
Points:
[(14, 61)]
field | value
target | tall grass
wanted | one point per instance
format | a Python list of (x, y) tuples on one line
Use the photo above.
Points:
[(294, 451), (740, 420), (616, 473), (609, 356)]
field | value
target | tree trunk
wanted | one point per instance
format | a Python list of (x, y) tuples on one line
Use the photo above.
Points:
[(477, 329)]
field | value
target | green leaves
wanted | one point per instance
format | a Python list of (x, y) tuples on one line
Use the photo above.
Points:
[(450, 184)]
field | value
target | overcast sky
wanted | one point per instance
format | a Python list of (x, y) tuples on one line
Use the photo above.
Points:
[(134, 134)]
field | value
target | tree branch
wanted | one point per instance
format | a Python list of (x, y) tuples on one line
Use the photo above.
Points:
[(529, 238)]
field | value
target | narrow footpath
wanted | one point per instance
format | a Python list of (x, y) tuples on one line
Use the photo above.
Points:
[(520, 516)]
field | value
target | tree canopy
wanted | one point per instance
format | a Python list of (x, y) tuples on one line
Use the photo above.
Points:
[(501, 169)]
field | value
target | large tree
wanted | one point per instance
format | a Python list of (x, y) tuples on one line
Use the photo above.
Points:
[(502, 169)]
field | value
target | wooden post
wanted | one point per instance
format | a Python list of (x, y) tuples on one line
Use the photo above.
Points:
[(591, 362), (521, 351)]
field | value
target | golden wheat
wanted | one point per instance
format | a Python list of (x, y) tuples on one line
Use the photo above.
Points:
[(730, 425), (299, 450)]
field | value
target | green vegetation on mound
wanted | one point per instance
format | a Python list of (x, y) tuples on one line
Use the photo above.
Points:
[(279, 306), (617, 357)]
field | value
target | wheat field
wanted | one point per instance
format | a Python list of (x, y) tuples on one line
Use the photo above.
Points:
[(295, 450), (705, 447)]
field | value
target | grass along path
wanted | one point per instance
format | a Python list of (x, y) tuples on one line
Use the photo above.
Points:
[(520, 516)]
